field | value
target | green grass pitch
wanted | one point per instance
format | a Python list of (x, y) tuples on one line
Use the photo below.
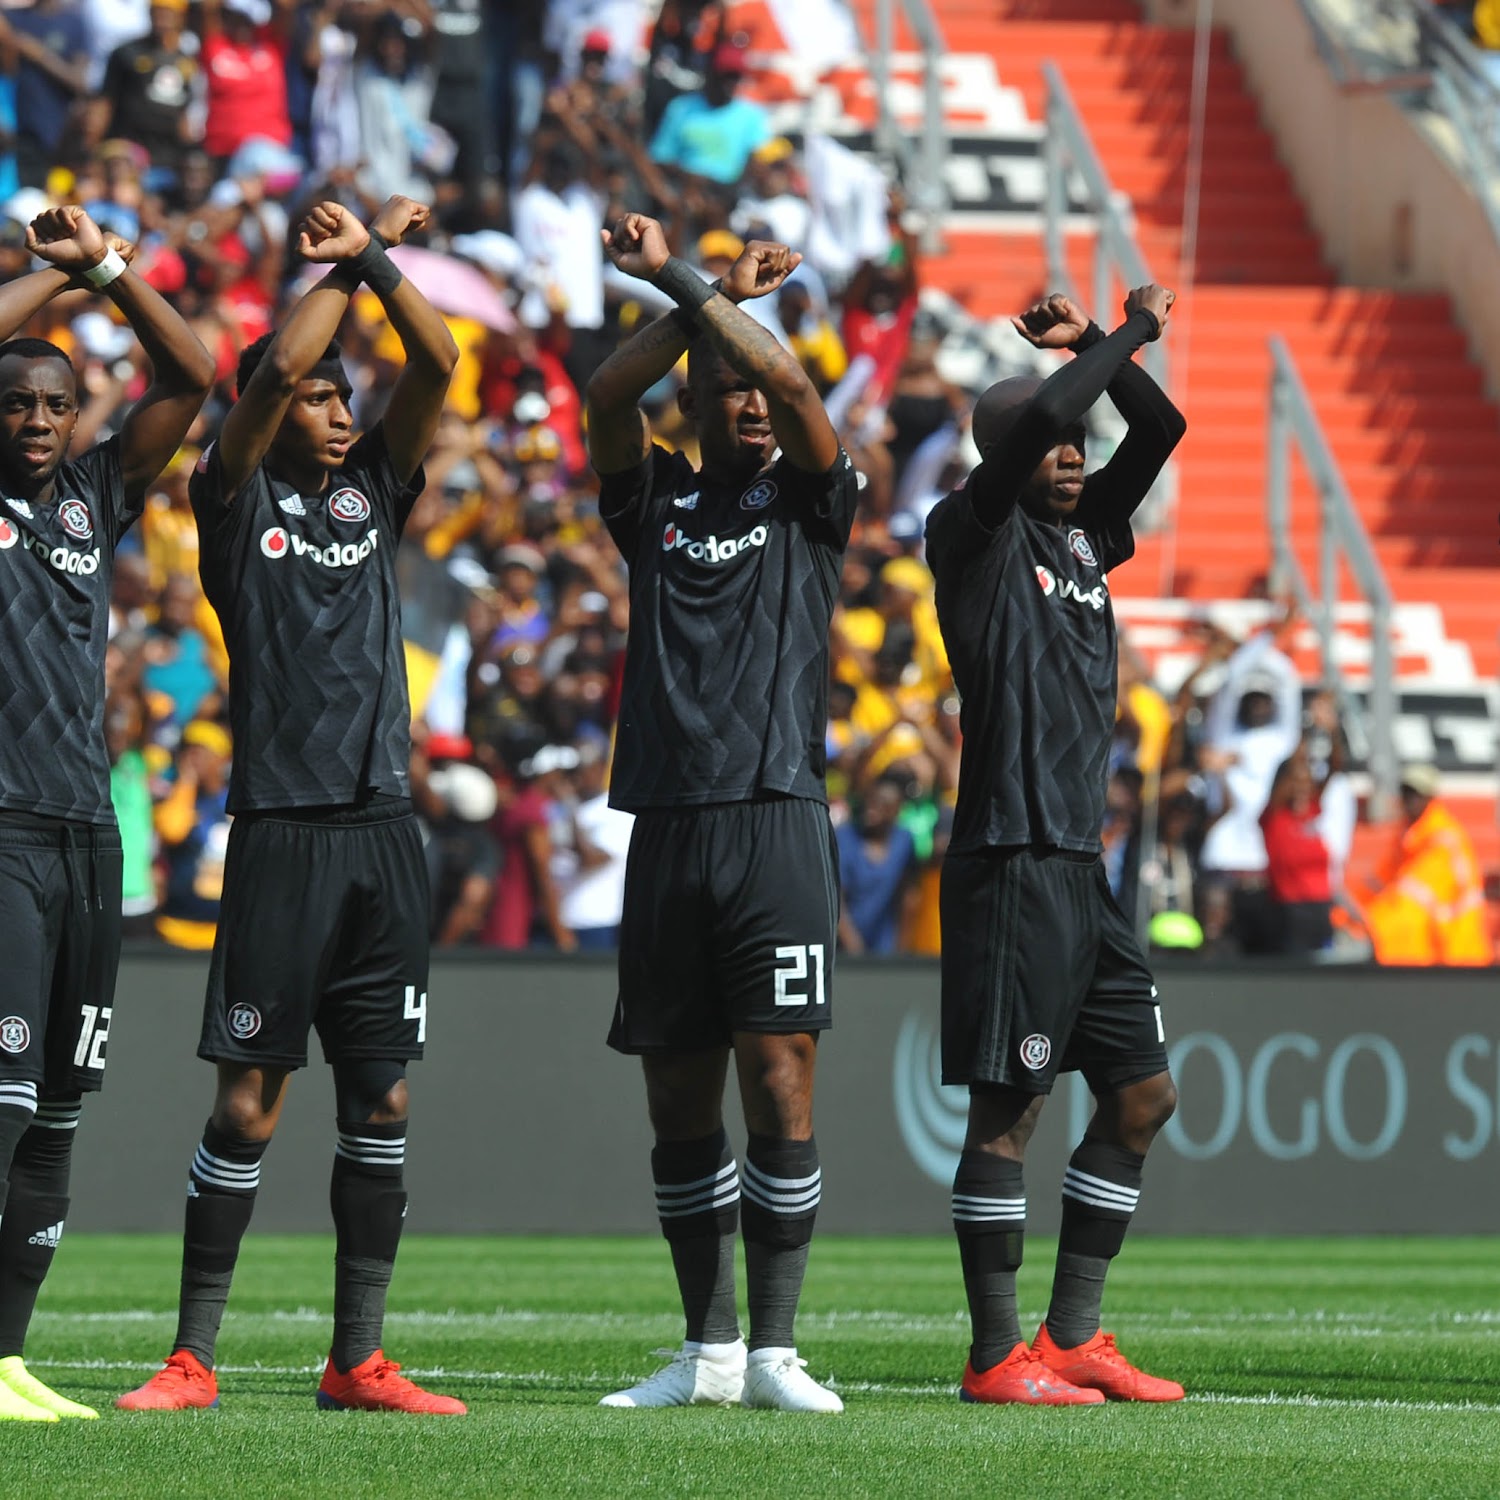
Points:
[(1314, 1367)]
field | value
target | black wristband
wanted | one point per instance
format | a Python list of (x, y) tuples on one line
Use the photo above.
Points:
[(686, 318), (1155, 324), (372, 266), (1088, 338), (684, 285)]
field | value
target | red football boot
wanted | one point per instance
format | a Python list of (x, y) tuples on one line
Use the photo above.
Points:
[(1023, 1379), (375, 1386), (182, 1384), (1100, 1364)]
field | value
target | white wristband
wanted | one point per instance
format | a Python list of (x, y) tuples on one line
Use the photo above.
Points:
[(111, 268)]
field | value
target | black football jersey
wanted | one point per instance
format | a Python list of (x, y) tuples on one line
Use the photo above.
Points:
[(56, 567), (732, 588), (305, 588), (1026, 616)]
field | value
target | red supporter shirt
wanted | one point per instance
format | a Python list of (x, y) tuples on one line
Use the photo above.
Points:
[(515, 906), (246, 92), (1296, 856)]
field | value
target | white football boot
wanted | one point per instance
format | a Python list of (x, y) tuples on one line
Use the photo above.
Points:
[(776, 1380), (697, 1375)]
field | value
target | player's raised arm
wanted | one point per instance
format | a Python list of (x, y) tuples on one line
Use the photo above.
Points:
[(619, 435), (416, 405), (330, 234), (182, 370), (1155, 426), (1017, 423)]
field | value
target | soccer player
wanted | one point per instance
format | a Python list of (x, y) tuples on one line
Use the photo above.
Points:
[(731, 888), (324, 915), (1041, 973), (60, 859)]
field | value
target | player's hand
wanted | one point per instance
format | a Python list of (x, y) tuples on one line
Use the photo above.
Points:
[(760, 269), (398, 216), (123, 248), (637, 245), (331, 233), (1157, 300), (1055, 323), (68, 239)]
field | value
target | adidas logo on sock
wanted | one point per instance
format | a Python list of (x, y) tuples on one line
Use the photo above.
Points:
[(48, 1237)]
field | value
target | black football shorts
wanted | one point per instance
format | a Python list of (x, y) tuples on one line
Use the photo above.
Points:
[(324, 923), (60, 916), (730, 924), (1042, 975)]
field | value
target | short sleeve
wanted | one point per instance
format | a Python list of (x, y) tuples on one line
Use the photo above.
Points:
[(625, 497), (369, 468), (833, 496), (100, 478)]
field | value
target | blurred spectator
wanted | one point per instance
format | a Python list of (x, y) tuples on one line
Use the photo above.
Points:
[(684, 37), (591, 841), (1253, 724), (404, 151), (179, 665), (50, 42), (1297, 866), (125, 730), (1167, 877), (525, 912), (1427, 906), (712, 134), (456, 801), (462, 104), (148, 86), (877, 864), (244, 59), (769, 206), (193, 825)]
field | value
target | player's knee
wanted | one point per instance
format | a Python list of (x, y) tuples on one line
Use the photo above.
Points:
[(370, 1090), (241, 1115), (777, 1090), (1147, 1107)]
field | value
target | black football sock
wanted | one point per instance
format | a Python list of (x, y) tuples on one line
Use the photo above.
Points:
[(783, 1186), (222, 1183), (1100, 1191), (989, 1218), (36, 1208), (698, 1204), (368, 1197)]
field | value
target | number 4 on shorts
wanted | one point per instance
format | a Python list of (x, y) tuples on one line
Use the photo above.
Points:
[(416, 1010), (796, 973)]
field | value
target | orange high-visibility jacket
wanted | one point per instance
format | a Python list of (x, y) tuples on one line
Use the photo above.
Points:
[(1430, 907)]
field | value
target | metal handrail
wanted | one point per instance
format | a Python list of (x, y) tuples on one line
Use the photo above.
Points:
[(1341, 533), (1431, 60), (926, 174), (1068, 152)]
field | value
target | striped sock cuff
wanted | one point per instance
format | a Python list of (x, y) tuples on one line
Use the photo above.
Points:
[(970, 1208), (19, 1094), (679, 1200), (787, 1196), (225, 1164), (358, 1143), (58, 1114), (1099, 1192)]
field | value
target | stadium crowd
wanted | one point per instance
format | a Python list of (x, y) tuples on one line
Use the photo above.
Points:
[(201, 132)]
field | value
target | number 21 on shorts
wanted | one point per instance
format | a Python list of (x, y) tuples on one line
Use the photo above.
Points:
[(804, 963)]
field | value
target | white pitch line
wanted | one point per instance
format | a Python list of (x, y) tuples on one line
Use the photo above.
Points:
[(853, 1387)]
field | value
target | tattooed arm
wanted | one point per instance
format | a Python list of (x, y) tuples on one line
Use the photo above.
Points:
[(638, 247), (798, 418), (618, 433)]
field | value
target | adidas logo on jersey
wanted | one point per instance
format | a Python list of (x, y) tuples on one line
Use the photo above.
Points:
[(48, 1237), (682, 502), (20, 507), (711, 549), (293, 505)]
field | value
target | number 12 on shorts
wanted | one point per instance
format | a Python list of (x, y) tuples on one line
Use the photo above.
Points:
[(416, 1010), (92, 1036), (806, 959)]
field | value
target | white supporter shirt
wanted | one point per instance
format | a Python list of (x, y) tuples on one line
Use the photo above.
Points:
[(596, 898), (560, 238)]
